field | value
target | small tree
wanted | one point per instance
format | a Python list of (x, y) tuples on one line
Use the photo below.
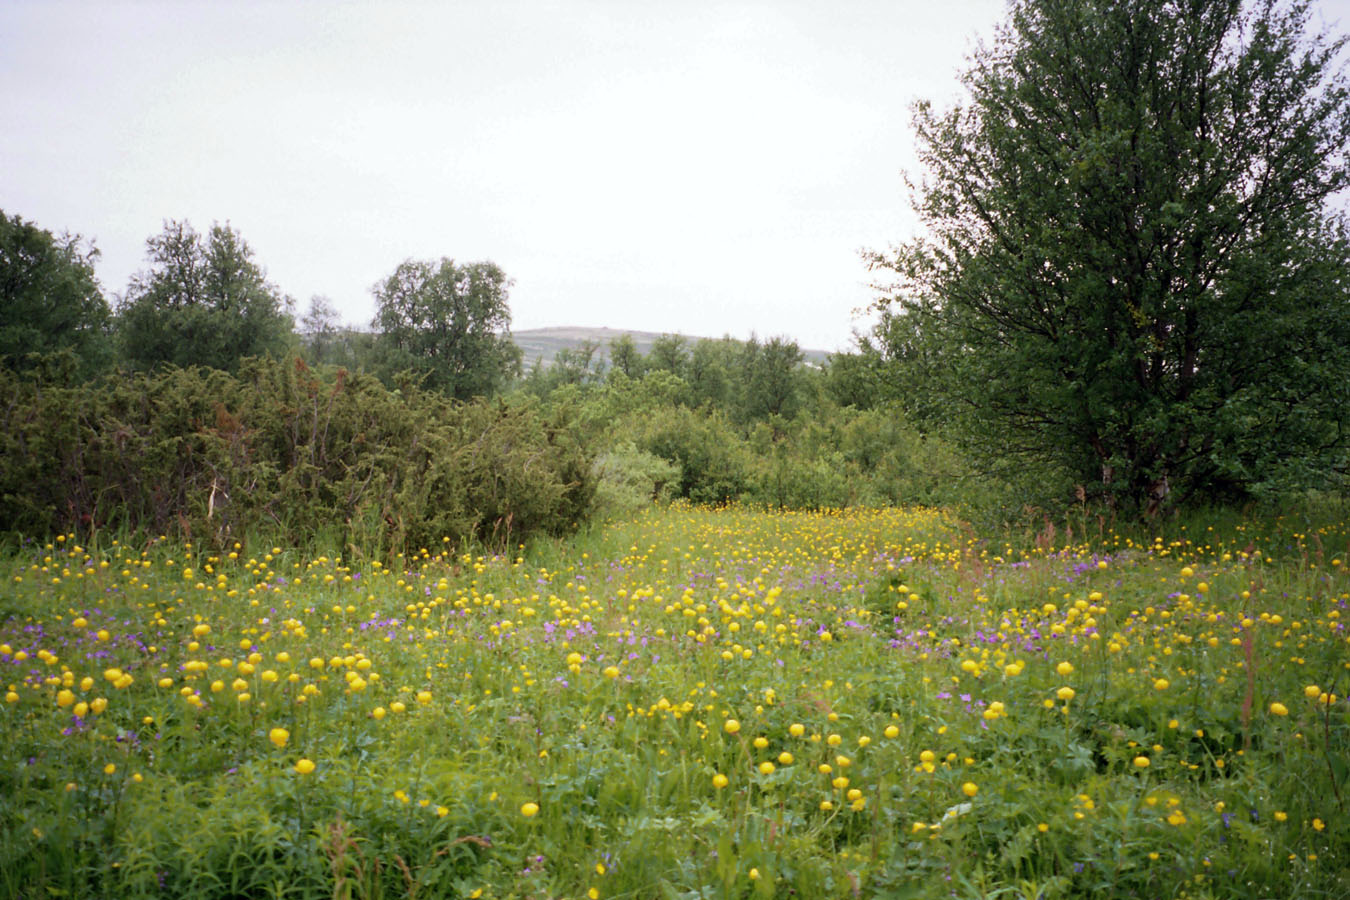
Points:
[(770, 377), (624, 356), (669, 353), (319, 328), (1130, 271), (450, 323), (50, 300), (851, 380), (580, 365), (710, 368), (201, 302)]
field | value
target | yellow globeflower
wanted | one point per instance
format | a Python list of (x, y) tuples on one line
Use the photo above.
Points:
[(1279, 709), (766, 768), (529, 810), (1142, 762), (731, 726), (1065, 669), (1312, 692), (970, 789), (304, 766), (1065, 693), (719, 781), (796, 729), (279, 736), (891, 731)]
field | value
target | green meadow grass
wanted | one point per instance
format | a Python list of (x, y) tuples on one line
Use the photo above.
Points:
[(693, 703)]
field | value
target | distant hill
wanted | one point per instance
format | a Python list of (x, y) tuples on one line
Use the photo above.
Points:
[(544, 343)]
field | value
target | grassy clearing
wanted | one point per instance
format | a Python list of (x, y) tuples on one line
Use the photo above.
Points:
[(695, 703)]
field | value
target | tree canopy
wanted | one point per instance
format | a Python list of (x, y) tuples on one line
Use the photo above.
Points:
[(203, 301), (1131, 271), (450, 323), (50, 300)]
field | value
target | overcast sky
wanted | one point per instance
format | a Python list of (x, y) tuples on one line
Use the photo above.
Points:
[(706, 168)]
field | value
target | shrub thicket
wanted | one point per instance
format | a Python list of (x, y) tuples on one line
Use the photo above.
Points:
[(282, 448)]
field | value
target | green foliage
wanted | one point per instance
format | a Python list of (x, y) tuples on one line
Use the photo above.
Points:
[(450, 324), (769, 378), (823, 456), (670, 353), (50, 300), (853, 379), (628, 479), (203, 302), (789, 481), (217, 457), (712, 367), (321, 333), (1132, 275), (749, 421), (712, 462), (624, 357), (580, 367)]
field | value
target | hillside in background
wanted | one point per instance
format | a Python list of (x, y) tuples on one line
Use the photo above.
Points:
[(544, 343)]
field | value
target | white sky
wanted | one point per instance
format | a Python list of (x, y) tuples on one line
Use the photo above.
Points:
[(685, 166)]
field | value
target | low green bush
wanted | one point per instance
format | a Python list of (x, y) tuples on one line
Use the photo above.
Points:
[(627, 479), (284, 448)]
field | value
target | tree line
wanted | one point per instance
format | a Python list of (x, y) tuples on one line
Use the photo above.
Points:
[(204, 299)]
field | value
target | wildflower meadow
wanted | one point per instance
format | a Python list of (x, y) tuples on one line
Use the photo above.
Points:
[(686, 703)]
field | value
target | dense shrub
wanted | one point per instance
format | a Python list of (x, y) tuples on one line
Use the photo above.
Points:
[(713, 460), (627, 479), (284, 448)]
